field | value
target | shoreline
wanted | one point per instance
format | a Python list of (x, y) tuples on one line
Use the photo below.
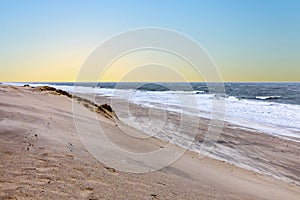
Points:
[(234, 136), (57, 149), (285, 129)]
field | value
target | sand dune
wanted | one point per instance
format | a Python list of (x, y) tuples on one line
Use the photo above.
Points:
[(42, 157)]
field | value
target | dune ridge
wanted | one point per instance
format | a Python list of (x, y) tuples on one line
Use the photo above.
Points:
[(103, 109)]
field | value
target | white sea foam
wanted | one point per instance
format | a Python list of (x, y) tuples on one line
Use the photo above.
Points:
[(267, 117), (267, 97)]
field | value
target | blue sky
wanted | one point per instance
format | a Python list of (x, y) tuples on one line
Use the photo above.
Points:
[(248, 40)]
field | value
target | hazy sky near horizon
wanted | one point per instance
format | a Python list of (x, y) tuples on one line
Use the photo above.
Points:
[(248, 40)]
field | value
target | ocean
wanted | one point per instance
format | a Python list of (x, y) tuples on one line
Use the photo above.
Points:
[(271, 108)]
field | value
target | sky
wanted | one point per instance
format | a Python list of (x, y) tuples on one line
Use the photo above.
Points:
[(247, 40)]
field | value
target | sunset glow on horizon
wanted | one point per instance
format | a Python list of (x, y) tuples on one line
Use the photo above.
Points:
[(48, 41)]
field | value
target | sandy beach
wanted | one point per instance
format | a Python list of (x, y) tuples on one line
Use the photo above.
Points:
[(43, 157)]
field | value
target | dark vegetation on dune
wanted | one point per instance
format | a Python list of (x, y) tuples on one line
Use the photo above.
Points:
[(105, 109)]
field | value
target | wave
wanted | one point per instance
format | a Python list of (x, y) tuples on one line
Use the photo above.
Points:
[(267, 117), (200, 92), (276, 118), (267, 97)]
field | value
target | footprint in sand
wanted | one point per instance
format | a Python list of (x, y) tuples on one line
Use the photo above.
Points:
[(47, 124)]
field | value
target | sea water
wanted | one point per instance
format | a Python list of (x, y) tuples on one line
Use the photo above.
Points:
[(271, 108)]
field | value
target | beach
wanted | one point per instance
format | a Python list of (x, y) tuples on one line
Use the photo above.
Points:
[(42, 156)]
